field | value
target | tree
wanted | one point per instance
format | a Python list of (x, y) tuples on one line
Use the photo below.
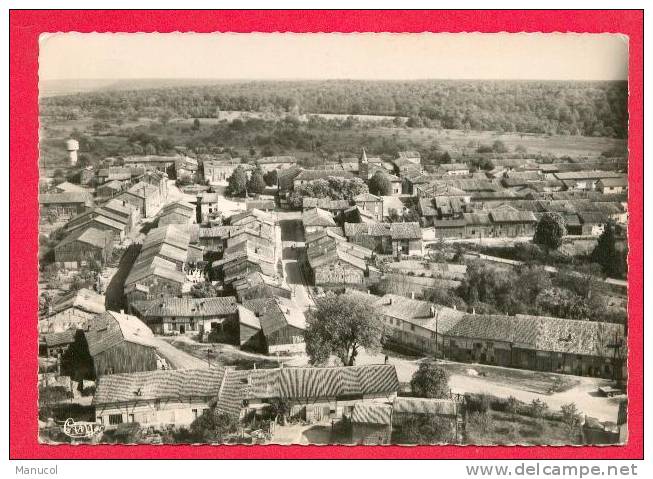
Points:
[(612, 261), (571, 418), (432, 430), (196, 124), (380, 184), (204, 290), (237, 182), (341, 325), (499, 147), (430, 381), (256, 183), (271, 177), (213, 426), (550, 230)]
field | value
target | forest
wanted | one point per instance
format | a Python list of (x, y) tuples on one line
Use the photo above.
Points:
[(597, 109)]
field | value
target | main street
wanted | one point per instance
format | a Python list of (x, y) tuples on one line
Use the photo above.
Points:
[(292, 240)]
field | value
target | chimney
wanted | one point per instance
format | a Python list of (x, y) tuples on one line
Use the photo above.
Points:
[(368, 292), (455, 308), (390, 301), (122, 311), (473, 310), (432, 310), (412, 295)]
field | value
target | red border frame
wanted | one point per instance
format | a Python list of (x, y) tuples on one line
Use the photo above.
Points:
[(25, 27)]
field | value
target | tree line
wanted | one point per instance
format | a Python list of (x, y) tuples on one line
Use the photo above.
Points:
[(543, 107)]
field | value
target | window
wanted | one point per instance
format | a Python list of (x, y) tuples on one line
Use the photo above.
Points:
[(194, 413), (412, 327), (131, 418), (115, 419)]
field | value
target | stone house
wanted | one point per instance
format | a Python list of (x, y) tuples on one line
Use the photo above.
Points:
[(82, 246)]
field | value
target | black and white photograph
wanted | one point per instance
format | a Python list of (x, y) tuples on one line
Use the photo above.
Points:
[(322, 238)]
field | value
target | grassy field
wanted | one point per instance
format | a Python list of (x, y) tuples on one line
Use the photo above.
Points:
[(534, 381), (457, 142), (502, 429)]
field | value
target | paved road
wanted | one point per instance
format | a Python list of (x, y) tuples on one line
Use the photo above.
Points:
[(292, 238)]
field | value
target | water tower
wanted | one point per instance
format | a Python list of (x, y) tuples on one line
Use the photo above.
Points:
[(72, 146)]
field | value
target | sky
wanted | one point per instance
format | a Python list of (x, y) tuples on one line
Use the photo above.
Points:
[(524, 56)]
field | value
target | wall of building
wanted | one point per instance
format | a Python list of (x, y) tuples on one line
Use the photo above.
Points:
[(338, 272), (154, 413)]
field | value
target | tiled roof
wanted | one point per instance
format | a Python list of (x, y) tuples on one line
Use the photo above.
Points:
[(411, 405), (276, 159), (312, 175), (112, 328), (324, 203), (62, 338), (61, 198), (366, 197), (408, 230), (91, 236), (317, 217), (83, 299), (505, 215), (372, 413), (143, 190), (421, 313), (247, 317), (613, 182), (541, 333), (161, 384), (197, 307)]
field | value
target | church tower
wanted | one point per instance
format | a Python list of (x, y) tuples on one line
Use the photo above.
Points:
[(363, 167)]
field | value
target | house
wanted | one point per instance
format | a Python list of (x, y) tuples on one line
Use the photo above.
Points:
[(387, 238), (269, 163), (109, 190), (217, 171), (82, 246), (123, 212), (259, 285), (585, 180), (453, 169), (146, 198), (406, 167), (440, 208), (207, 206), (62, 206), (262, 205), (102, 220), (413, 156), (316, 219), (177, 212), (188, 315), (72, 311), (54, 345), (159, 267), (68, 187), (612, 185), (112, 343), (278, 326), (149, 162), (158, 179), (336, 262), (335, 207), (478, 225), (186, 167), (308, 176), (568, 346), (370, 203), (371, 423), (509, 222), (156, 398), (416, 325), (160, 399), (592, 222)]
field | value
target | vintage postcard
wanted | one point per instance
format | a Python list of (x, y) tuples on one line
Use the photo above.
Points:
[(335, 239)]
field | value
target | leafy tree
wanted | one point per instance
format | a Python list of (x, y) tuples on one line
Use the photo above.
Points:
[(214, 426), (341, 325), (607, 255), (237, 182), (571, 418), (196, 124), (432, 430), (204, 290), (256, 183), (550, 230), (538, 408), (271, 177), (380, 184), (430, 381), (499, 147)]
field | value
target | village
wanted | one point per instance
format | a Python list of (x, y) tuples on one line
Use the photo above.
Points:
[(181, 299)]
